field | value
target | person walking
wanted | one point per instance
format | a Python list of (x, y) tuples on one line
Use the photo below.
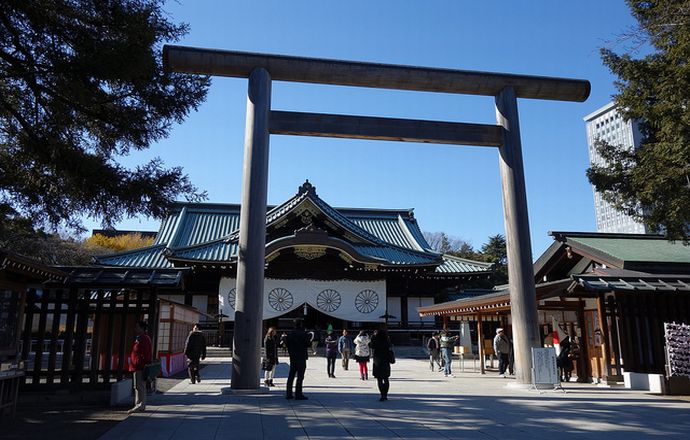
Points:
[(283, 337), (271, 359), (331, 354), (447, 343), (502, 349), (316, 340), (298, 344), (139, 357), (345, 348), (381, 346), (195, 349), (434, 351), (564, 360), (362, 354)]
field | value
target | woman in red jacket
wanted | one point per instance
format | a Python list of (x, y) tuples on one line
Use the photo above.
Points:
[(139, 357)]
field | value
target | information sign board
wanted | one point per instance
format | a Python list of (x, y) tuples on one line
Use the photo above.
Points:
[(544, 368)]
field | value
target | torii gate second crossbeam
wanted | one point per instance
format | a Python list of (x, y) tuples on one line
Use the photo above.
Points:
[(261, 69)]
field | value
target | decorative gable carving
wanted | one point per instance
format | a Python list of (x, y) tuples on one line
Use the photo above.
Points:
[(310, 252)]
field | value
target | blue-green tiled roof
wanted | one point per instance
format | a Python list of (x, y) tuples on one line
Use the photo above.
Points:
[(277, 211), (413, 227), (209, 232), (396, 255), (150, 257), (225, 251), (388, 230), (167, 228), (215, 251), (638, 248), (202, 227), (453, 264)]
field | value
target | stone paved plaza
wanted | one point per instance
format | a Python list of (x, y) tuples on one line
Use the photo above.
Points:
[(422, 405)]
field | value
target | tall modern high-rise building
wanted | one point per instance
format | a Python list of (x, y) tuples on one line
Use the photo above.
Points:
[(608, 125)]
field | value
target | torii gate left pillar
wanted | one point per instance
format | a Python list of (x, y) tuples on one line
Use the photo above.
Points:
[(250, 265)]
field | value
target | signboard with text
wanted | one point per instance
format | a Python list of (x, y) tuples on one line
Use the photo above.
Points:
[(544, 368)]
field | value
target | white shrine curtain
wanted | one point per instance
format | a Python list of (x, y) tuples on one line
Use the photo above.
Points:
[(362, 301)]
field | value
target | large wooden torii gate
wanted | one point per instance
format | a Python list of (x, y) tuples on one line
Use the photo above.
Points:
[(261, 121)]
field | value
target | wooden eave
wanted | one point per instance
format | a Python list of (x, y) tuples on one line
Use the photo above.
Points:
[(29, 270), (493, 302), (102, 277)]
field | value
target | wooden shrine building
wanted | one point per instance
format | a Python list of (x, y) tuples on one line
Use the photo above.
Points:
[(613, 292), (345, 267)]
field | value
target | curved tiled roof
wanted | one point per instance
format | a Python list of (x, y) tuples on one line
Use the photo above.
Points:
[(167, 228), (387, 230), (226, 251), (202, 227), (277, 211), (396, 255), (209, 232), (150, 257), (216, 251), (453, 264), (636, 248), (413, 227), (392, 226)]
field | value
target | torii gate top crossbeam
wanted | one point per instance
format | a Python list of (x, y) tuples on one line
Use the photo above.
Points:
[(385, 76)]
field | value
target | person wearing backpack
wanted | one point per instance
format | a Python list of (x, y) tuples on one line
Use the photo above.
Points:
[(434, 351)]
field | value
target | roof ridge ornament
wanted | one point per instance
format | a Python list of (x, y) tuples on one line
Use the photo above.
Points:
[(307, 188)]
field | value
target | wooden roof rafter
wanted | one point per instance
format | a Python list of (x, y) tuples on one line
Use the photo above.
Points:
[(23, 266)]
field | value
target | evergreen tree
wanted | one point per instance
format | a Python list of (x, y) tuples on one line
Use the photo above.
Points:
[(495, 251), (652, 183), (82, 84)]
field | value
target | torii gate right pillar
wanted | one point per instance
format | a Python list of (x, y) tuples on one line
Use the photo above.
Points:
[(523, 298)]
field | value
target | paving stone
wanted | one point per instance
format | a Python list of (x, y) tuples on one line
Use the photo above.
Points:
[(421, 405)]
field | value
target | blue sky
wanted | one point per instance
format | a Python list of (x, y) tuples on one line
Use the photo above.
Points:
[(452, 189)]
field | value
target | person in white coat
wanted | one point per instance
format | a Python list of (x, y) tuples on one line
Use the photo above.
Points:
[(362, 354)]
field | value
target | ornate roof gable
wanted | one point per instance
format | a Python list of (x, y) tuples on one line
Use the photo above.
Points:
[(310, 208), (210, 232), (302, 211)]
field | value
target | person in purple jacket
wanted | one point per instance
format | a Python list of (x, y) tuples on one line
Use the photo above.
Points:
[(331, 353)]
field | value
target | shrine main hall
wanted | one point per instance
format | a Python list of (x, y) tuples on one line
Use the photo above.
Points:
[(346, 267)]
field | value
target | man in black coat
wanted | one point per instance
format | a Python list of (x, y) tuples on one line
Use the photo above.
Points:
[(298, 344), (195, 348)]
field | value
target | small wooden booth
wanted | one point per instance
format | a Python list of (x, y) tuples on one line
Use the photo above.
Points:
[(77, 334), (175, 323), (614, 292), (487, 312), (630, 285), (18, 275)]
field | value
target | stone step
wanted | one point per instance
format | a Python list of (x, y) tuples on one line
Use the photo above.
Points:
[(215, 352)]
